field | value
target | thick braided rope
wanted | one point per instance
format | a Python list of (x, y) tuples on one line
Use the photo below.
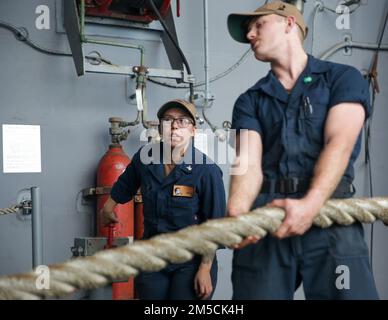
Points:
[(12, 209), (178, 247)]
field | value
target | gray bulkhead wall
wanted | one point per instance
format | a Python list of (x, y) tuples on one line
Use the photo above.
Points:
[(73, 111)]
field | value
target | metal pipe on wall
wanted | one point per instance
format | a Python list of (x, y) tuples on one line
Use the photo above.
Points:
[(206, 65), (37, 235), (206, 48), (351, 44), (220, 133)]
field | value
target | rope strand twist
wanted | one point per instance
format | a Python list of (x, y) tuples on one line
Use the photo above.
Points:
[(12, 209)]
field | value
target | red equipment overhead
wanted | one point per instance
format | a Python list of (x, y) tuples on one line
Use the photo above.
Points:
[(132, 10)]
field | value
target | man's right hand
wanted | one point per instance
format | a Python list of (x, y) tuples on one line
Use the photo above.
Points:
[(109, 217), (246, 182), (246, 241)]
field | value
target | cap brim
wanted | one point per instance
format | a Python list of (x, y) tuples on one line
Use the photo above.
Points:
[(237, 24)]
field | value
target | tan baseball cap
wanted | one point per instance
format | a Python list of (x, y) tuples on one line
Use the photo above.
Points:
[(237, 21), (180, 104)]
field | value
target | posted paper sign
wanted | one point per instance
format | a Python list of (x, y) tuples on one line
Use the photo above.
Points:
[(21, 148)]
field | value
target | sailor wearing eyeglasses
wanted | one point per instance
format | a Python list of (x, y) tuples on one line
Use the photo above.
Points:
[(180, 187)]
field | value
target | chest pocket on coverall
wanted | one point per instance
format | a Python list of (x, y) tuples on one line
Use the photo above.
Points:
[(184, 210), (312, 116)]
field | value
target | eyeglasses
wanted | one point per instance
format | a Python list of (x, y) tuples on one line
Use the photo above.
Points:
[(181, 122)]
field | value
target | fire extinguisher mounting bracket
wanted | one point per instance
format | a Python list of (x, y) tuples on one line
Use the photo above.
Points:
[(88, 246), (88, 192)]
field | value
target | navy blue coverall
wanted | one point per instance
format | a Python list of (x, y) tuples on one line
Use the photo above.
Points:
[(292, 133), (192, 193)]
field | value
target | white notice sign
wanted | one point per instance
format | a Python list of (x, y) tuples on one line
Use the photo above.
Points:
[(21, 148)]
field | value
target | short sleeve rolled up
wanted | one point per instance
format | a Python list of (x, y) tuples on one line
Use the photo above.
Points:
[(245, 115), (349, 86)]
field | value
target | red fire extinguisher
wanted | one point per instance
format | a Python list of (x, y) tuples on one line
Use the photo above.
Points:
[(111, 166)]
